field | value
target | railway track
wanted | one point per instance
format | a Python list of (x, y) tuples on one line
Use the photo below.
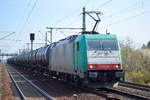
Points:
[(114, 94), (126, 94), (134, 85), (25, 88)]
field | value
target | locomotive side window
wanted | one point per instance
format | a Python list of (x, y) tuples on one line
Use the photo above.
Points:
[(78, 46)]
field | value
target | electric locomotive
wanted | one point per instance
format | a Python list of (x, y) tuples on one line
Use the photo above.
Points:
[(93, 59)]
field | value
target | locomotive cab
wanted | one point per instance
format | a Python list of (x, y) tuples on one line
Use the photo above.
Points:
[(103, 59)]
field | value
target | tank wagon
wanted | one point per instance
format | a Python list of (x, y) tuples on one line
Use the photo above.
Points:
[(93, 60)]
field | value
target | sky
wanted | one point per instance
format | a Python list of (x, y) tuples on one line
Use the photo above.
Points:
[(19, 18)]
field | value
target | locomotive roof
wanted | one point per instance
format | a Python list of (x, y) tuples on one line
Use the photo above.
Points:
[(100, 36), (90, 36)]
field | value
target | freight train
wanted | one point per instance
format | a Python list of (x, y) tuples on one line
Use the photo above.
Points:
[(93, 60)]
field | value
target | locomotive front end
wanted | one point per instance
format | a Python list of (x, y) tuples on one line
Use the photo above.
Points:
[(104, 59)]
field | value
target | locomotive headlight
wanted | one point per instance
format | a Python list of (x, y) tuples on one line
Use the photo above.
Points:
[(117, 66), (92, 66)]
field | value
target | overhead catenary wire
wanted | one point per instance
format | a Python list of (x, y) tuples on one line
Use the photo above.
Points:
[(25, 11), (93, 9), (118, 12), (126, 10), (10, 40), (5, 31), (27, 7), (71, 31), (28, 4), (97, 7), (70, 14), (128, 18), (78, 8), (7, 35), (74, 21), (28, 16), (104, 4)]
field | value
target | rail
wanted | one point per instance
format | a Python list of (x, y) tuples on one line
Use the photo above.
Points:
[(37, 88), (23, 97), (138, 97), (17, 87), (134, 85)]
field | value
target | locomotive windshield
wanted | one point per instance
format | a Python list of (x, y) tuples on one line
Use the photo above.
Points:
[(102, 44)]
